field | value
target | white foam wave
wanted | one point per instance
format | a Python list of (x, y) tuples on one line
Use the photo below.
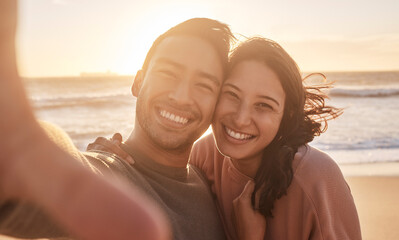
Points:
[(89, 99), (364, 92)]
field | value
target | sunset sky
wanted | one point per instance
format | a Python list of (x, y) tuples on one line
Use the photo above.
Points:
[(67, 37)]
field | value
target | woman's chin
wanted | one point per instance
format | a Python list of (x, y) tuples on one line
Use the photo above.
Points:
[(227, 151)]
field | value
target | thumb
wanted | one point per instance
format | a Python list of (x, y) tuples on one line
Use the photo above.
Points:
[(248, 190)]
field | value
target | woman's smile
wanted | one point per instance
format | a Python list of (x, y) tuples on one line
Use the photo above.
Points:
[(236, 135)]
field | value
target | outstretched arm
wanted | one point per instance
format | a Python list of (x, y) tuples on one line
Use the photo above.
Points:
[(35, 169)]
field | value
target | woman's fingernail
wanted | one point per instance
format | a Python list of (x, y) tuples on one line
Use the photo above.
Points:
[(130, 159)]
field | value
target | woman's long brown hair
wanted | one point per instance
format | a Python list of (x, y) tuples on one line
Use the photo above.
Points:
[(305, 116)]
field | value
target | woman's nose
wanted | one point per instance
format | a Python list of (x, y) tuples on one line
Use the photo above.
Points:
[(242, 116)]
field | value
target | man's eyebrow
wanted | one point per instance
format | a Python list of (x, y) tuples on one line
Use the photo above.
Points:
[(202, 74), (164, 60), (259, 96), (211, 77)]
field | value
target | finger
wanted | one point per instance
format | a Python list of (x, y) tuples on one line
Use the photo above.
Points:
[(97, 144), (117, 137), (100, 140), (90, 146), (248, 190), (121, 153), (101, 143), (99, 147), (130, 160), (116, 142), (114, 147), (105, 142), (111, 146)]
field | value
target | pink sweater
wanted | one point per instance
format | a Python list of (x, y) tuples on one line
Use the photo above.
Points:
[(318, 204)]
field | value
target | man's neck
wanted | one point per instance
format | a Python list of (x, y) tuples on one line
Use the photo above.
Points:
[(140, 141)]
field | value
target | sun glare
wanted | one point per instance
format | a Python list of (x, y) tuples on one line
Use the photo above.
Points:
[(147, 26)]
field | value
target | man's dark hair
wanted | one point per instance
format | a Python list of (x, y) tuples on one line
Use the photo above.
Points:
[(216, 33)]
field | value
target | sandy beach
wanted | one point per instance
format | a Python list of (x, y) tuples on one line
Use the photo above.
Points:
[(375, 189)]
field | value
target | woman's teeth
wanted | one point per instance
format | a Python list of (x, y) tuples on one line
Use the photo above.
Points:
[(236, 135)]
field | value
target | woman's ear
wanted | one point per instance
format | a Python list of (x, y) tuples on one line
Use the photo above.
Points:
[(138, 81)]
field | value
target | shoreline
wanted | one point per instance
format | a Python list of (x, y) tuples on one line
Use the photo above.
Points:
[(390, 168)]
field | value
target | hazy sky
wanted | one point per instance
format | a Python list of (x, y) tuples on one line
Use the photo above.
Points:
[(67, 37)]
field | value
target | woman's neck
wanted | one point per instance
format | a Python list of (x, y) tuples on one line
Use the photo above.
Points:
[(248, 166)]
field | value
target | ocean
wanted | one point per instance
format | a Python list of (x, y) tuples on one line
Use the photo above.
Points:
[(368, 130)]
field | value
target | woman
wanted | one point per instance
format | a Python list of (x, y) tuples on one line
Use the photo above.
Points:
[(262, 123)]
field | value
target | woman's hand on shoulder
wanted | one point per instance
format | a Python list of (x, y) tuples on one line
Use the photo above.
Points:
[(249, 223), (111, 145)]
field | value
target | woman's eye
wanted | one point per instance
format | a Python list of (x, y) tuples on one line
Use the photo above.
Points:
[(264, 106), (231, 94)]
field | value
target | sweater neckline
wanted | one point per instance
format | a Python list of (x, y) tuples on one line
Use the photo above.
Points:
[(144, 162), (235, 174)]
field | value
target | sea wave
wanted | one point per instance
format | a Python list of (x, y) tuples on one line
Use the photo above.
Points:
[(364, 92), (360, 144), (79, 100)]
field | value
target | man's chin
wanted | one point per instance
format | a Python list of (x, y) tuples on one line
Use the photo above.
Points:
[(169, 140)]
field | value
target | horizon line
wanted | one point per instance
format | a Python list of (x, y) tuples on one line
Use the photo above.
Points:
[(132, 75)]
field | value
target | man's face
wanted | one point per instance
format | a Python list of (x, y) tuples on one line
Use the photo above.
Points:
[(179, 91)]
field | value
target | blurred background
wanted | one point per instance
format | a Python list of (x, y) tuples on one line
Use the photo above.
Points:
[(79, 57)]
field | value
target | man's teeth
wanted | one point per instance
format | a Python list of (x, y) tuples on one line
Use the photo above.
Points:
[(236, 135), (173, 117)]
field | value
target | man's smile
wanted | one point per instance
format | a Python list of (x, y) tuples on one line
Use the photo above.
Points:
[(173, 117)]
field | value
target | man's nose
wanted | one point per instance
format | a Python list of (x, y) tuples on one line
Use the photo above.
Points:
[(181, 93)]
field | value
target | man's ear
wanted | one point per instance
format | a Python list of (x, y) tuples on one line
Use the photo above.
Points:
[(138, 81)]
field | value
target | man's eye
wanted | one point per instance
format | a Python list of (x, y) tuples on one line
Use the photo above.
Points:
[(167, 73), (205, 86)]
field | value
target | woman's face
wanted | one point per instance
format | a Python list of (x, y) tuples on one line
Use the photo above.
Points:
[(249, 111)]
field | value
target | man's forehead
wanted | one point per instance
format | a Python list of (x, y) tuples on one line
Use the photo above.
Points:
[(174, 47), (190, 53)]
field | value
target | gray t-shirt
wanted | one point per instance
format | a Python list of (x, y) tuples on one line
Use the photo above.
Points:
[(182, 193)]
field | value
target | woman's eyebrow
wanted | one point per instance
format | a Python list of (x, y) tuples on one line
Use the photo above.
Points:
[(259, 96), (269, 98)]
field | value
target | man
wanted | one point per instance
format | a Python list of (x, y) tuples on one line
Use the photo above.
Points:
[(177, 90)]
